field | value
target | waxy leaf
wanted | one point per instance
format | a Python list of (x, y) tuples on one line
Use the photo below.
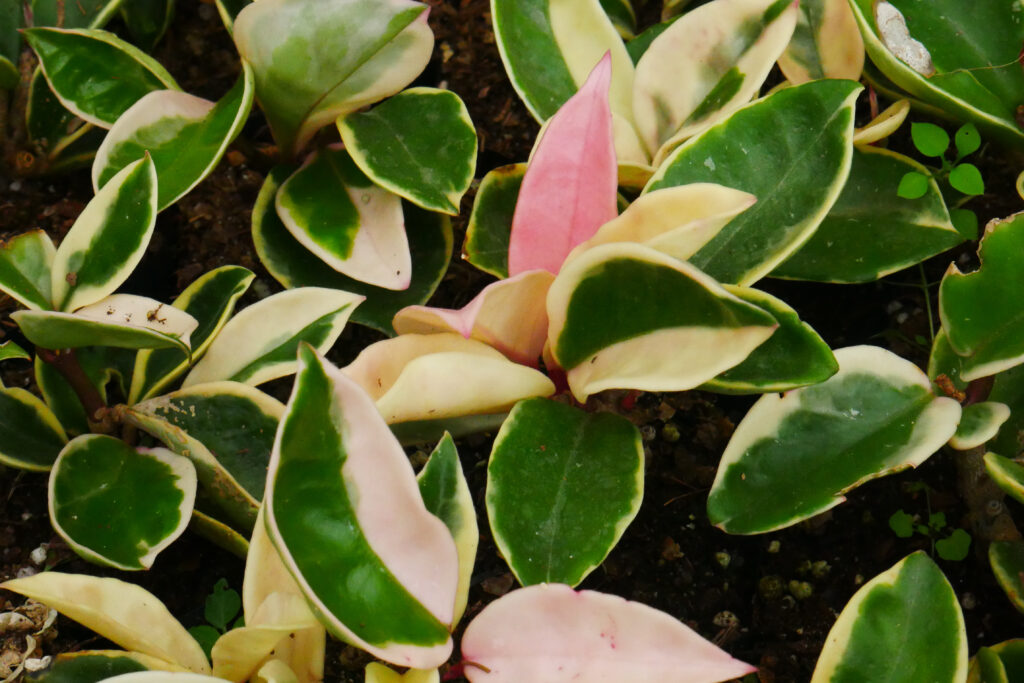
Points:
[(119, 611), (562, 486), (1007, 474), (108, 238), (1008, 388), (291, 264), (883, 125), (436, 376), (989, 337), (794, 356), (1002, 663), (338, 481), (876, 416), (66, 140), (959, 58), (121, 320), (549, 47), (490, 222), (870, 231), (144, 497), (218, 533), (96, 75), (25, 263), (211, 301), (568, 191), (804, 135), (80, 14), (101, 365), (31, 438), (99, 665), (315, 61), (1007, 560), (826, 43), (378, 673), (147, 20), (419, 144), (446, 495), (979, 423), (553, 633), (628, 317), (185, 135), (904, 626), (351, 224), (227, 430), (259, 344), (705, 66), (11, 351)]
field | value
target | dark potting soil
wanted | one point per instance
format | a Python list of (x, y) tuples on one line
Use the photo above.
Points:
[(769, 600)]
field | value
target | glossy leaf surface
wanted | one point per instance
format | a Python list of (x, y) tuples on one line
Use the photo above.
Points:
[(25, 263), (1007, 474), (490, 223), (979, 423), (101, 365), (419, 144), (1007, 560), (11, 351), (876, 416), (378, 673), (562, 486), (826, 43), (802, 133), (31, 438), (147, 20)]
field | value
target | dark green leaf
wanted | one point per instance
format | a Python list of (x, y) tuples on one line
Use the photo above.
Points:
[(902, 524)]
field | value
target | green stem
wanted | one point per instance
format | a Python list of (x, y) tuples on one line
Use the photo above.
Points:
[(927, 303)]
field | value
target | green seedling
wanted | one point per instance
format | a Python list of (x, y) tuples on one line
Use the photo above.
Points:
[(223, 605)]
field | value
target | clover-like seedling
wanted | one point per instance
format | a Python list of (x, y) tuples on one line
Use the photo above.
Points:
[(221, 612), (953, 547)]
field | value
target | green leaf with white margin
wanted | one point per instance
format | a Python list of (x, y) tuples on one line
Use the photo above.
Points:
[(259, 344), (120, 506), (80, 14), (490, 222), (122, 320), (624, 316), (1007, 560), (31, 438), (1007, 474), (446, 494), (1002, 663), (315, 61), (211, 301), (1008, 388), (96, 75), (147, 20), (622, 15), (990, 337), (794, 356), (108, 238), (903, 626), (979, 423), (871, 232), (826, 43), (11, 351), (117, 610), (291, 264), (550, 46), (959, 58), (562, 486), (396, 145), (332, 451), (876, 416), (336, 212), (25, 263), (227, 430), (185, 135), (705, 66), (101, 365), (88, 666), (804, 135)]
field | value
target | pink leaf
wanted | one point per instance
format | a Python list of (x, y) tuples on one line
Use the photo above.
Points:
[(568, 191), (551, 633)]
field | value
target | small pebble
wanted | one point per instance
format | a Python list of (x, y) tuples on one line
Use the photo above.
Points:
[(774, 547), (39, 554), (723, 559), (26, 572), (801, 590)]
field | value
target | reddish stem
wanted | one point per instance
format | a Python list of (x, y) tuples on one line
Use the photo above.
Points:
[(66, 363)]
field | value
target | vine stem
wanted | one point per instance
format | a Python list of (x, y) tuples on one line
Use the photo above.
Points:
[(66, 363)]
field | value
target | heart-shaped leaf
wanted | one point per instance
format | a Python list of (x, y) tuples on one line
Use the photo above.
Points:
[(562, 486), (804, 135), (550, 632), (143, 496), (705, 66), (291, 264), (904, 625), (25, 264), (108, 238), (626, 316), (315, 61), (352, 225), (259, 344), (979, 423), (446, 495), (490, 222), (96, 75), (876, 416), (31, 438), (338, 476), (826, 43), (870, 231), (989, 337), (1007, 560), (398, 145), (211, 301), (119, 611), (185, 135)]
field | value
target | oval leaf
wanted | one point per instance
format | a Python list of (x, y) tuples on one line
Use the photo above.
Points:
[(339, 477), (876, 416), (826, 43), (25, 264), (553, 633), (490, 223), (979, 423), (1007, 560), (31, 438)]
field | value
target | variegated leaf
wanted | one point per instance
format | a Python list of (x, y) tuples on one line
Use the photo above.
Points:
[(25, 264), (826, 43), (31, 438), (490, 222), (1007, 560), (979, 423)]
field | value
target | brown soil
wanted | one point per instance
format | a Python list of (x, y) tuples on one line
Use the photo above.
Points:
[(769, 600)]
